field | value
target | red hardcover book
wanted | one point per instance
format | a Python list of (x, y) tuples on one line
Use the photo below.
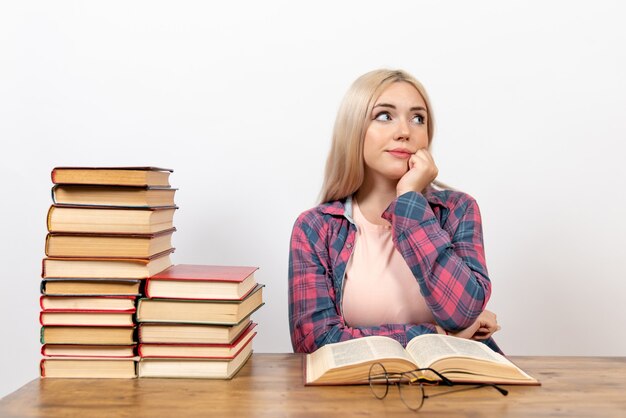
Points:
[(208, 351), (197, 281)]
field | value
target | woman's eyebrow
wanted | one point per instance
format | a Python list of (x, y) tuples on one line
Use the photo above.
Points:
[(413, 109)]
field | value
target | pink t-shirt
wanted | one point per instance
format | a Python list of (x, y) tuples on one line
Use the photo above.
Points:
[(379, 287)]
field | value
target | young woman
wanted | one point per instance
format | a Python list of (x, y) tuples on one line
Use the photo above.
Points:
[(387, 253)]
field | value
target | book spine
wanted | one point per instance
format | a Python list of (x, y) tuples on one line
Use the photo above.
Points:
[(49, 218), (42, 368), (53, 194), (41, 339)]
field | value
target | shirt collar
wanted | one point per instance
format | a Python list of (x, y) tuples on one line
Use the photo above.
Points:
[(343, 207)]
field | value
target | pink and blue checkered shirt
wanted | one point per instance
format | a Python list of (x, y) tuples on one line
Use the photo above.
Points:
[(439, 235)]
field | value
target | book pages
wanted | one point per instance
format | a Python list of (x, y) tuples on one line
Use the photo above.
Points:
[(428, 348), (362, 350)]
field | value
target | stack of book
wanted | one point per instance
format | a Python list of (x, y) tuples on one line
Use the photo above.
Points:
[(195, 321), (110, 228)]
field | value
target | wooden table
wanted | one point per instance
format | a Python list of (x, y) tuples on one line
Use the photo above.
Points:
[(271, 385)]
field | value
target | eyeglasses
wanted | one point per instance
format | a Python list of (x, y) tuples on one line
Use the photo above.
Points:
[(411, 385)]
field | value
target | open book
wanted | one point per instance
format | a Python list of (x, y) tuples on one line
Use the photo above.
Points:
[(458, 359)]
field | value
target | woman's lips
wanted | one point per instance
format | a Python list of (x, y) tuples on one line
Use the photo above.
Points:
[(400, 154)]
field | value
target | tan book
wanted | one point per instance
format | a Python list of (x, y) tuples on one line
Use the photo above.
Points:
[(92, 318), (124, 176), (89, 303), (194, 368), (198, 281), (110, 220), (68, 286), (177, 333), (458, 359), (127, 196), (112, 268), (108, 245), (216, 351), (227, 312), (87, 335), (101, 368), (81, 350)]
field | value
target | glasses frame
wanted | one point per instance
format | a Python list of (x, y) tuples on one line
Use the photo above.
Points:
[(415, 377)]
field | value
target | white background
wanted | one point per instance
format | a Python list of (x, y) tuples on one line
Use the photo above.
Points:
[(239, 98)]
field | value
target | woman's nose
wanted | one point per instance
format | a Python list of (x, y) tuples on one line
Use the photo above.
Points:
[(402, 131)]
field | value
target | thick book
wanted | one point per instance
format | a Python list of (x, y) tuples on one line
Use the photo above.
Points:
[(177, 333), (123, 176), (125, 196), (110, 220), (197, 281), (86, 287), (82, 350), (87, 318), (87, 303), (214, 351), (460, 360), (194, 368), (101, 368), (226, 312), (112, 268), (108, 245), (87, 335)]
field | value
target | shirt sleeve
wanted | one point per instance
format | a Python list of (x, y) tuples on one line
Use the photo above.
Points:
[(314, 315), (447, 259)]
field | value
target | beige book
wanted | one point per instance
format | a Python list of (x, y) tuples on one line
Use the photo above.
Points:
[(71, 194), (90, 287), (177, 333), (194, 368), (108, 245), (92, 303), (102, 220), (87, 335), (124, 176), (88, 368), (82, 350), (86, 318), (227, 312), (458, 359), (113, 268)]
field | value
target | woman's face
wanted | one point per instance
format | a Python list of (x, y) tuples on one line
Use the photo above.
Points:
[(398, 128)]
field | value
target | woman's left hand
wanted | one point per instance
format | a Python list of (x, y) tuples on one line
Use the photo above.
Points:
[(484, 327)]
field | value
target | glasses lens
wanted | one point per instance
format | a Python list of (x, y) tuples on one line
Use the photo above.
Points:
[(411, 393), (379, 382)]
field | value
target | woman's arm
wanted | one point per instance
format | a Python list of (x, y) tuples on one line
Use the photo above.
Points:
[(314, 318), (448, 262)]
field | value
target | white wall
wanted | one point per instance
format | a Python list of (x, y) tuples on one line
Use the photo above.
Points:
[(239, 99)]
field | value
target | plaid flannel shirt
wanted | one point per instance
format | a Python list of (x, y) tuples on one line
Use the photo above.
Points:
[(439, 235)]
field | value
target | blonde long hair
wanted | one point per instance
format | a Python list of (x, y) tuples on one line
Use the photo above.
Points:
[(345, 168)]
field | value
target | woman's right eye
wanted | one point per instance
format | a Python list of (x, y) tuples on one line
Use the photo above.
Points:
[(384, 116)]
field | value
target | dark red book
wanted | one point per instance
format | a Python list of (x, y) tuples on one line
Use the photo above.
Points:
[(213, 351), (198, 281)]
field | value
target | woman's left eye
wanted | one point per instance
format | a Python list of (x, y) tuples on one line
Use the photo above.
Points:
[(418, 119)]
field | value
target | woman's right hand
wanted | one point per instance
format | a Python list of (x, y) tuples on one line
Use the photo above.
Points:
[(484, 327), (422, 171)]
